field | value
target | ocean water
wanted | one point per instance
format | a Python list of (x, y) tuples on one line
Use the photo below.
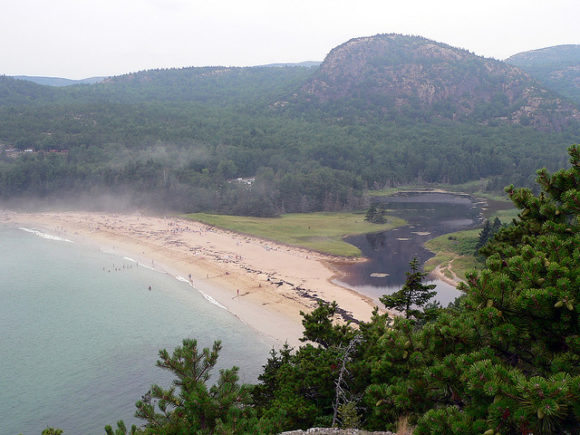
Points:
[(81, 331)]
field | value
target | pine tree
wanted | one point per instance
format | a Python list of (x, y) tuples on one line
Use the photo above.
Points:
[(320, 328), (520, 368), (413, 295), (496, 226), (506, 358), (190, 405), (376, 214), (484, 235)]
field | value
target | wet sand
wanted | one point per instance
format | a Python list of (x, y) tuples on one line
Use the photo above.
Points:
[(264, 284)]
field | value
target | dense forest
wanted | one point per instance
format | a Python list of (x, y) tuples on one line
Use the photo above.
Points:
[(267, 140), (556, 67), (503, 359)]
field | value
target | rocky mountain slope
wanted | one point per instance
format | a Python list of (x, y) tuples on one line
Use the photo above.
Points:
[(411, 76), (557, 67)]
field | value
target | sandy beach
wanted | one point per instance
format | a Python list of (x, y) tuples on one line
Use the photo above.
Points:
[(264, 284)]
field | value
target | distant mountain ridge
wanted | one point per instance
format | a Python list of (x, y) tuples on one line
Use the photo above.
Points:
[(58, 81), (558, 55), (306, 64), (16, 92), (396, 74), (556, 67), (386, 76)]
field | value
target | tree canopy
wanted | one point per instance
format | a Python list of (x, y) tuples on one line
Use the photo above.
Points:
[(180, 140)]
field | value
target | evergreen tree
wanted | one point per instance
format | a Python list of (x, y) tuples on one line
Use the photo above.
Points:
[(496, 226), (487, 233), (375, 214), (484, 235), (506, 358), (190, 406), (320, 328), (413, 295)]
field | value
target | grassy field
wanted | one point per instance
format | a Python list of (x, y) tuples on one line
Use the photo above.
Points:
[(458, 247), (322, 232)]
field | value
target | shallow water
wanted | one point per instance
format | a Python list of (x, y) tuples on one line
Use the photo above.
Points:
[(429, 215), (81, 333)]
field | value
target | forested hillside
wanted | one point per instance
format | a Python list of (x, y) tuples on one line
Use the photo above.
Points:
[(557, 67), (380, 111)]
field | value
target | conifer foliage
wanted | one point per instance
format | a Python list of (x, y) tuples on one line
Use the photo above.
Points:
[(190, 405), (488, 231), (503, 359), (507, 359), (414, 294)]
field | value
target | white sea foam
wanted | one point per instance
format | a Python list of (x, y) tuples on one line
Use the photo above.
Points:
[(206, 296), (148, 267), (130, 259), (45, 235), (182, 279), (212, 300)]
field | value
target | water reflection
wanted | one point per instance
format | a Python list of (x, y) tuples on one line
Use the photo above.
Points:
[(429, 215)]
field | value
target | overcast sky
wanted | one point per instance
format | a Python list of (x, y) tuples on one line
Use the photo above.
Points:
[(85, 38)]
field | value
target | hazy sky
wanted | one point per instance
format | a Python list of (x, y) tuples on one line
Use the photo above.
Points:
[(84, 38)]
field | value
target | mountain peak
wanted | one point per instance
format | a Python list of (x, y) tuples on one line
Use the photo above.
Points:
[(418, 77)]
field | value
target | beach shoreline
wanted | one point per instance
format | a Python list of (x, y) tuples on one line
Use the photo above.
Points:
[(264, 284)]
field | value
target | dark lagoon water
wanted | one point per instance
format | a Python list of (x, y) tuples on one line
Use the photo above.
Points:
[(81, 334), (429, 215)]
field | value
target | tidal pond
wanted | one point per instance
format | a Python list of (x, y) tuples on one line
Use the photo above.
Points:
[(429, 215)]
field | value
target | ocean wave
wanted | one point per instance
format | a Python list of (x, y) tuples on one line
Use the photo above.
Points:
[(182, 279), (205, 295), (45, 235), (130, 259), (149, 267), (212, 300)]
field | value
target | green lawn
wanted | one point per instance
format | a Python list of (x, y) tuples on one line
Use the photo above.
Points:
[(323, 232)]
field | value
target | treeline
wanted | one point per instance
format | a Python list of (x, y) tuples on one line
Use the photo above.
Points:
[(180, 139)]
